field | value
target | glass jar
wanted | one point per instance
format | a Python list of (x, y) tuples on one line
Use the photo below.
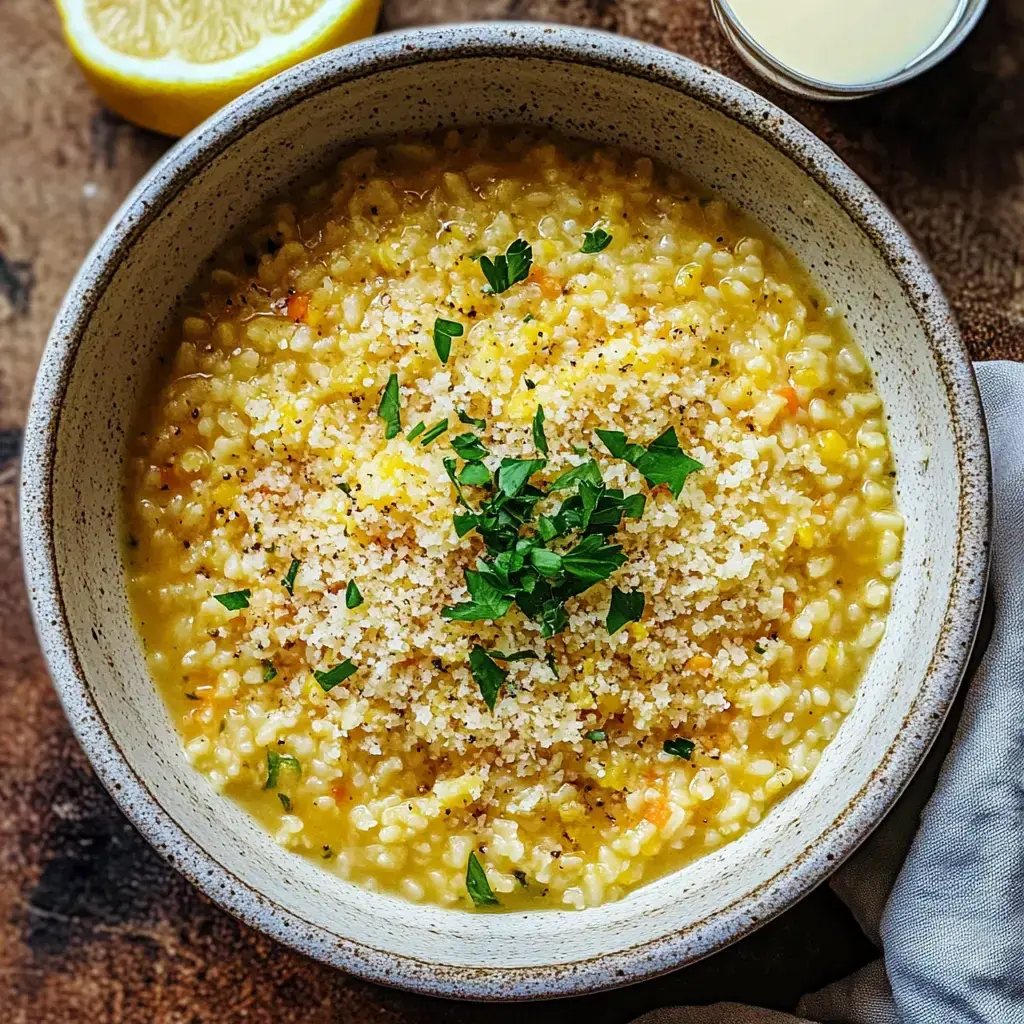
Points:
[(760, 60)]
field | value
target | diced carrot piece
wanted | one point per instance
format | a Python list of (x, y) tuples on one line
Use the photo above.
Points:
[(658, 813), (298, 307), (790, 395), (550, 286), (699, 663)]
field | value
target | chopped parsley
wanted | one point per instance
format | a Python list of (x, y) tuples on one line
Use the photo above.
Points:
[(450, 466), (521, 567), (626, 606), (345, 488), (286, 802), (530, 385), (477, 885), (353, 599), (435, 432), (489, 676), (475, 474), (661, 462), (444, 331), (528, 318), (469, 447), (549, 659), (330, 679), (389, 409), (269, 672), (510, 268), (486, 601), (539, 440), (288, 582), (595, 735), (760, 649), (235, 601), (416, 431), (588, 471), (470, 421), (595, 241), (592, 560), (514, 656), (679, 748), (514, 473), (275, 762)]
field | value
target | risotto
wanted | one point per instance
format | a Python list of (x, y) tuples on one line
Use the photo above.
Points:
[(513, 524)]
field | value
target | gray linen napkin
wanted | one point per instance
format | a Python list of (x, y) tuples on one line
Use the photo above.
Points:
[(950, 920)]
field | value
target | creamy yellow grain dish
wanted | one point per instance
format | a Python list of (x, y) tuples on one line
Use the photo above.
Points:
[(294, 568)]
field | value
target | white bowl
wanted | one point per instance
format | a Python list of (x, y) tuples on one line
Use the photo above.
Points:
[(102, 351)]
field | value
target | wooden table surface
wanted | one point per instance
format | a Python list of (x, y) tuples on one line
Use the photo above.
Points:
[(93, 926)]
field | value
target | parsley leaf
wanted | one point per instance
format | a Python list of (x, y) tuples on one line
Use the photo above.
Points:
[(661, 462), (330, 679), (626, 606), (475, 474), (489, 676), (679, 748), (449, 468), (515, 656), (435, 431), (275, 762), (547, 563), (286, 802), (595, 241), (235, 601), (288, 581), (444, 331), (477, 885), (464, 417), (539, 439), (514, 473), (549, 658), (528, 318), (469, 447), (595, 735), (589, 471), (389, 408), (592, 560), (416, 431), (488, 602), (760, 649), (547, 529), (509, 269), (269, 672), (353, 599)]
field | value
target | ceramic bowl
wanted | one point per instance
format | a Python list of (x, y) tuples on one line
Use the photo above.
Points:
[(103, 349)]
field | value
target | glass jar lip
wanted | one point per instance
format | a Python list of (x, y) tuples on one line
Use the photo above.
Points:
[(960, 25)]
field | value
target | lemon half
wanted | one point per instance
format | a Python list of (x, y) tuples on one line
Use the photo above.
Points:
[(168, 64)]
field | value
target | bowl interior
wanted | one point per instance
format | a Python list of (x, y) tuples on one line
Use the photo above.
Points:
[(245, 158)]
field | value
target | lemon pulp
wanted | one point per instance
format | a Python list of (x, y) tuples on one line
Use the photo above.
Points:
[(169, 64)]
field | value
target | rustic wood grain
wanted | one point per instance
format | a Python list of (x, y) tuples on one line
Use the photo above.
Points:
[(93, 926)]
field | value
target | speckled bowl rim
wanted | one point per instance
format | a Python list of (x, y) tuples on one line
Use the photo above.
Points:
[(512, 40)]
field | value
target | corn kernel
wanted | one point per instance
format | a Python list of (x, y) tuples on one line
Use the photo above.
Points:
[(832, 446)]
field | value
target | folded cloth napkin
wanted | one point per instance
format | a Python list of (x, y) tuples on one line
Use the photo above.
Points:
[(948, 914)]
